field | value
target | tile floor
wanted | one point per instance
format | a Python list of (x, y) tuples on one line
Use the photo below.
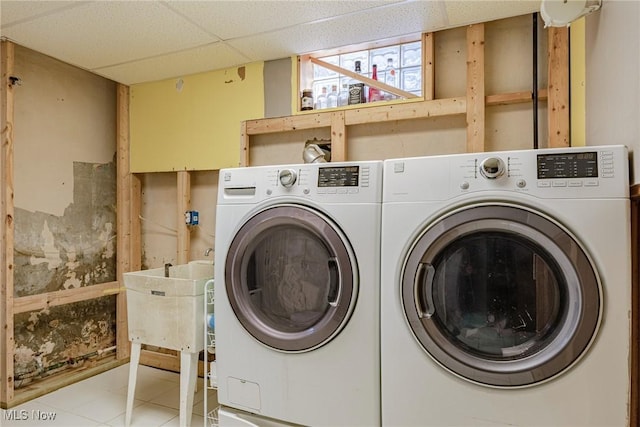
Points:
[(101, 401)]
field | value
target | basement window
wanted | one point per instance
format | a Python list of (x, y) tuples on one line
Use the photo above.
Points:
[(330, 75)]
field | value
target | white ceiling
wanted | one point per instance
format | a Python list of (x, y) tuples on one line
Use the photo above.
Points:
[(139, 41)]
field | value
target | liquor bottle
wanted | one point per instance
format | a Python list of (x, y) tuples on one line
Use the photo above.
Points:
[(390, 78), (374, 92), (343, 98), (356, 88), (321, 101), (332, 98)]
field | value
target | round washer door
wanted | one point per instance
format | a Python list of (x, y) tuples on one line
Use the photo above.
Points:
[(500, 295), (291, 278)]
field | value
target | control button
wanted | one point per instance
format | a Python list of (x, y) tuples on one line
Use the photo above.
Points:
[(544, 184), (287, 177), (607, 174), (331, 191), (464, 185), (492, 167), (342, 191), (353, 191), (306, 191), (322, 191), (560, 183), (398, 167), (574, 183), (521, 183), (591, 183), (269, 192)]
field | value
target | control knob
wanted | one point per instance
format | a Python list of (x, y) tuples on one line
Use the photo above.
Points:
[(492, 167), (287, 177)]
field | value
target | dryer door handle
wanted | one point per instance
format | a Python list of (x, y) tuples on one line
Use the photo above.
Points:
[(334, 282), (423, 290)]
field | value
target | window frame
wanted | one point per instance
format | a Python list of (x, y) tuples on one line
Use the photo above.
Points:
[(306, 63)]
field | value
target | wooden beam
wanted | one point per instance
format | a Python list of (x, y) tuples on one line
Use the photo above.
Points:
[(128, 258), (7, 229), (184, 205), (558, 102), (370, 82), (338, 137), (428, 65), (289, 123), (513, 98), (475, 88), (405, 111), (67, 296), (244, 145)]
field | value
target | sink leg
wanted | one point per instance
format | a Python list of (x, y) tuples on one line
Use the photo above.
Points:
[(188, 377), (133, 374)]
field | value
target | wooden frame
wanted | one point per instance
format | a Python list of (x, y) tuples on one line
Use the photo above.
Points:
[(473, 104), (128, 241)]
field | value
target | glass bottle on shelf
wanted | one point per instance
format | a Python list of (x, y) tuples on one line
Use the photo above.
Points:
[(332, 98), (390, 78), (374, 92), (343, 97), (321, 101), (356, 88)]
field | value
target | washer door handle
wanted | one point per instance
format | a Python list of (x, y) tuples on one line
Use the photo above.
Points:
[(423, 290), (334, 282)]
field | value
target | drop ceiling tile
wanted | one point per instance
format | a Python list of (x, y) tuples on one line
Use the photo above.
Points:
[(468, 12), (13, 12), (365, 26), (211, 57), (97, 34), (232, 19)]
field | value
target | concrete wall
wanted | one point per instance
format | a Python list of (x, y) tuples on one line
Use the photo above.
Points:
[(65, 217), (613, 78)]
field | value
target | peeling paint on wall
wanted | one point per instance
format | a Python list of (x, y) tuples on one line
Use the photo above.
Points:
[(73, 250), (62, 337), (54, 253)]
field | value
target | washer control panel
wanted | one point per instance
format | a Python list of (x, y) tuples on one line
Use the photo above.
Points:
[(335, 182), (575, 172)]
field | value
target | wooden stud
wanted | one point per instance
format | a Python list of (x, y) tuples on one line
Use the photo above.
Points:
[(475, 88), (184, 205), (7, 230), (428, 66), (67, 296), (126, 261), (338, 137), (558, 101), (244, 145)]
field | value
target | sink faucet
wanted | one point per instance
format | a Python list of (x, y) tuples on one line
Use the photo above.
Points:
[(208, 251), (166, 269)]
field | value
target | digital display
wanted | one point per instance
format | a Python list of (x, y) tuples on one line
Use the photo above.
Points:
[(568, 165), (343, 176)]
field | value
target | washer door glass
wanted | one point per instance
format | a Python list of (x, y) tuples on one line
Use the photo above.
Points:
[(290, 278), (501, 295)]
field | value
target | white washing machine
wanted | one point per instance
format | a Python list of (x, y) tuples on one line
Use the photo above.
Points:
[(506, 289), (297, 292)]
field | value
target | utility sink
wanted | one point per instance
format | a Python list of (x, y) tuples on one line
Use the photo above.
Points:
[(168, 312)]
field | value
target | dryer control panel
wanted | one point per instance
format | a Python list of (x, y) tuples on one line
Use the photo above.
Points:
[(577, 172), (340, 182)]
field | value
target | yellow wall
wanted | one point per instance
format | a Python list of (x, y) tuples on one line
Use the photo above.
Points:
[(193, 122)]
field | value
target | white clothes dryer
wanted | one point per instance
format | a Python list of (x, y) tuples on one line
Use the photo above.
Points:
[(506, 289), (297, 292)]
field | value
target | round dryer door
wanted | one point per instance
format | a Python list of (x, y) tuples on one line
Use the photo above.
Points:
[(501, 295), (291, 278)]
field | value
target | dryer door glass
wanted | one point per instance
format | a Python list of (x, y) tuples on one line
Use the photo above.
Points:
[(290, 278), (501, 295)]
